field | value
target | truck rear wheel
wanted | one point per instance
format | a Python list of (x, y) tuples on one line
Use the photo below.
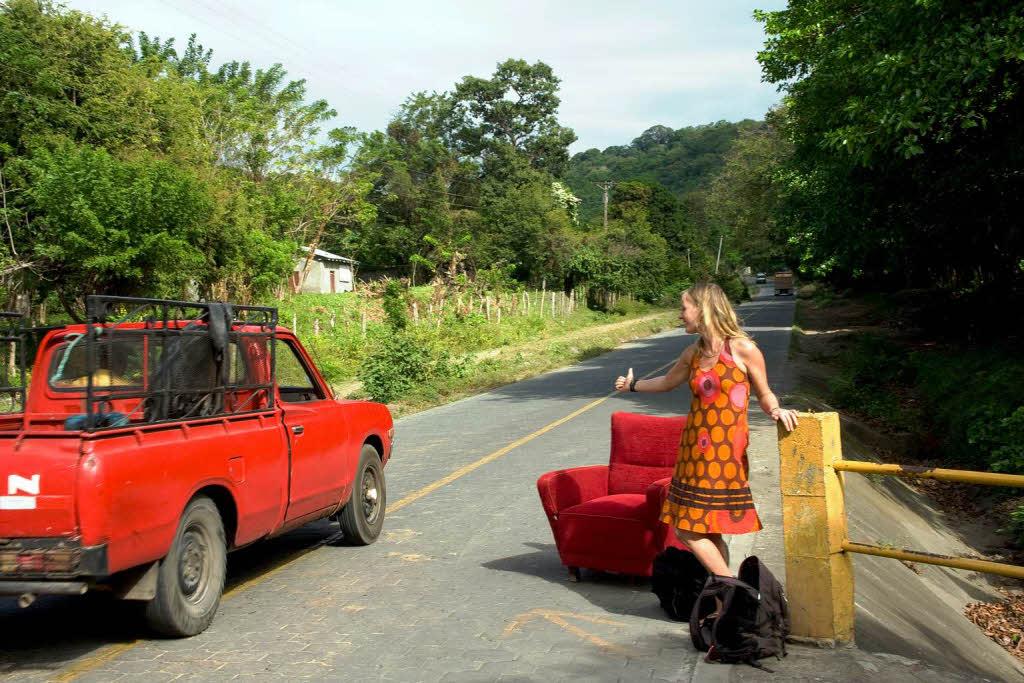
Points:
[(190, 579), (362, 518)]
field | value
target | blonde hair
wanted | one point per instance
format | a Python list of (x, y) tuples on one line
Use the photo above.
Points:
[(717, 318)]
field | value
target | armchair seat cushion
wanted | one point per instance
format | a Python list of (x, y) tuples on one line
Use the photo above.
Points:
[(624, 507), (612, 533)]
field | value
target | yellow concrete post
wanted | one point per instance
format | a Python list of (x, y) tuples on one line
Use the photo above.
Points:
[(819, 575)]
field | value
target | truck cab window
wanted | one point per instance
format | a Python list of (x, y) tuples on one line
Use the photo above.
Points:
[(294, 382), (119, 363)]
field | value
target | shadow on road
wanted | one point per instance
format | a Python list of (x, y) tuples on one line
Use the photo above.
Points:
[(615, 593), (56, 630)]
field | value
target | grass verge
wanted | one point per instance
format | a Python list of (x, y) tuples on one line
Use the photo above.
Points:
[(503, 365)]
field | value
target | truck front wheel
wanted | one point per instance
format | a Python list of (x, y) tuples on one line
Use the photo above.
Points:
[(362, 518), (190, 580)]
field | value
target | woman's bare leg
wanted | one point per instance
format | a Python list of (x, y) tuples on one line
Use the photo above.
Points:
[(722, 546), (710, 549)]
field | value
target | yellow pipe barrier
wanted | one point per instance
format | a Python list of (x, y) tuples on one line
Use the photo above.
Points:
[(819, 575), (985, 478), (1011, 570)]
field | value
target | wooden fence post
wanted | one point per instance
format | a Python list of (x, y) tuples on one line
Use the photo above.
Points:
[(819, 574), (364, 322), (316, 327)]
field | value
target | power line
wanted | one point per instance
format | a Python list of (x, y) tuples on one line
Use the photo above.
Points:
[(304, 58)]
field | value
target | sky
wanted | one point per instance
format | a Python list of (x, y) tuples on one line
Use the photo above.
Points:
[(624, 66)]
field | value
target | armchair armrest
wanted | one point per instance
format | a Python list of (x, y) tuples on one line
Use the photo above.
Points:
[(656, 493), (562, 489)]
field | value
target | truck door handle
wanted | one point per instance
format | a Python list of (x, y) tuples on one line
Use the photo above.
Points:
[(298, 429)]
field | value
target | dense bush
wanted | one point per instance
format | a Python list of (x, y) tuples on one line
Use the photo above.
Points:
[(394, 303), (671, 296), (971, 401), (733, 286), (1016, 525), (874, 375), (395, 365), (975, 398)]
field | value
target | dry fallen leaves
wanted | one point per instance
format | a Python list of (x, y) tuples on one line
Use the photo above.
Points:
[(1001, 621)]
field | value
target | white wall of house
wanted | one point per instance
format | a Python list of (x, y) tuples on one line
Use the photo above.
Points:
[(319, 279)]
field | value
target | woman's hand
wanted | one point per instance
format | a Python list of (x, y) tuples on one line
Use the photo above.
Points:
[(786, 416), (622, 383)]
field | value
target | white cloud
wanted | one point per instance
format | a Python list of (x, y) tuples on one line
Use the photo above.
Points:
[(624, 67)]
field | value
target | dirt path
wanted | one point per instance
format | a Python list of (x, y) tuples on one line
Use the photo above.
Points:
[(575, 335)]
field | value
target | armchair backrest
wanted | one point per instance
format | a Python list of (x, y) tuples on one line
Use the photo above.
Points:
[(644, 450)]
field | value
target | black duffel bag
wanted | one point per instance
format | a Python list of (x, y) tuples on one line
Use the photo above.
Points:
[(677, 578)]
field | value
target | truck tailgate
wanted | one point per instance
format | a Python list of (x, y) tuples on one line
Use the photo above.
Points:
[(37, 486)]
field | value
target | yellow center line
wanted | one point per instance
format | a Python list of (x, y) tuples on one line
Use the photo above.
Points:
[(112, 651), (94, 662), (461, 472)]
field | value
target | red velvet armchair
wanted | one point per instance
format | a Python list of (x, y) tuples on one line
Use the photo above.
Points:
[(606, 516)]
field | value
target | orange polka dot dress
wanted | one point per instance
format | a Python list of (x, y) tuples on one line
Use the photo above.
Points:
[(709, 492)]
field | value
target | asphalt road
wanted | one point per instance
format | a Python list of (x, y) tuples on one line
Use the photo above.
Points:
[(464, 584)]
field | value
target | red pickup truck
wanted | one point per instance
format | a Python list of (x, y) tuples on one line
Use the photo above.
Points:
[(158, 436)]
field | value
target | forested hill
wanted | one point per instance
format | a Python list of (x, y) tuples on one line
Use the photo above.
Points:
[(681, 160)]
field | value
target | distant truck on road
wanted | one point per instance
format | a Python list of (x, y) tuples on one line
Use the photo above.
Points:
[(783, 282), (158, 436)]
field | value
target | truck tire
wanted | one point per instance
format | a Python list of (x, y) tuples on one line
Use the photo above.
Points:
[(362, 518), (190, 579)]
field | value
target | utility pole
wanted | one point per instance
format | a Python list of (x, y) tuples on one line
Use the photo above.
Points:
[(606, 185), (719, 259)]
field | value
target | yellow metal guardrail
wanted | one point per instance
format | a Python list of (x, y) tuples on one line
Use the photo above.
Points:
[(814, 526)]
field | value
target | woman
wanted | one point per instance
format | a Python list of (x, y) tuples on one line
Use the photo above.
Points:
[(709, 495)]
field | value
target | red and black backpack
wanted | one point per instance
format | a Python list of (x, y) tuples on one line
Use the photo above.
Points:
[(741, 619)]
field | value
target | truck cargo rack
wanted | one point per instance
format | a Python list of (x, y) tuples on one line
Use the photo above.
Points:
[(181, 360)]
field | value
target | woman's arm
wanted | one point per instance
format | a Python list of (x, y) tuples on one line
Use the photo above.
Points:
[(679, 373), (752, 358)]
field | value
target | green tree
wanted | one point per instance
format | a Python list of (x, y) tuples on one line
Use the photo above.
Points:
[(424, 186), (904, 119), (131, 228), (745, 195), (66, 76), (513, 116)]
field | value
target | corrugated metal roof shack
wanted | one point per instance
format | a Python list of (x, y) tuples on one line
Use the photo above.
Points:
[(328, 273)]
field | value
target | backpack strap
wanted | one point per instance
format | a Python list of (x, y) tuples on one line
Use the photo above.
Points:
[(714, 599)]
